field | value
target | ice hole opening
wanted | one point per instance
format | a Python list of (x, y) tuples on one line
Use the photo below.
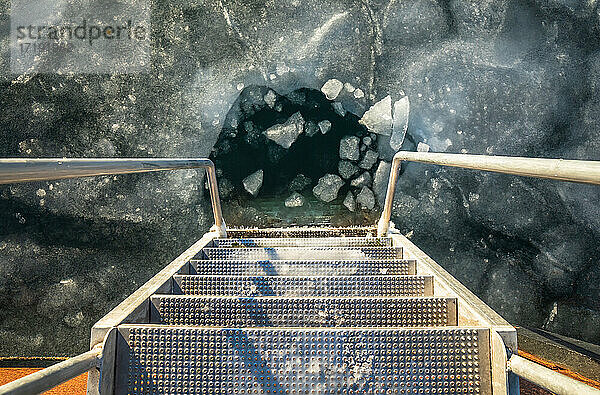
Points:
[(274, 149)]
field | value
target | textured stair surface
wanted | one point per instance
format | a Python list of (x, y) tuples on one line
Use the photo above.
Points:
[(307, 242), (303, 311), (304, 286), (303, 361), (303, 268), (302, 253), (303, 232)]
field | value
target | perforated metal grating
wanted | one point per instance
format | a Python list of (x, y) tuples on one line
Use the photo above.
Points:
[(303, 312), (302, 232), (304, 286), (301, 253), (307, 242), (303, 361), (303, 268)]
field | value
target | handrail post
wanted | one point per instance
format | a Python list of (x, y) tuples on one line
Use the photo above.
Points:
[(215, 201), (384, 222)]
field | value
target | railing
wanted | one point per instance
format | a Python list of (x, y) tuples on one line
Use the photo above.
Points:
[(581, 171), (54, 375), (27, 170)]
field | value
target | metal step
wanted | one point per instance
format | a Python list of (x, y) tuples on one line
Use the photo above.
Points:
[(303, 268), (306, 242), (353, 231), (242, 312), (304, 286), (302, 253), (169, 360)]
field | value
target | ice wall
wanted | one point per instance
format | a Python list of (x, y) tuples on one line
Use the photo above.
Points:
[(496, 76)]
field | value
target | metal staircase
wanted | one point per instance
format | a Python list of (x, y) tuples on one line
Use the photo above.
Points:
[(347, 322), (300, 310)]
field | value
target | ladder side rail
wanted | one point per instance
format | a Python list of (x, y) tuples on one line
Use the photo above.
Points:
[(582, 171), (17, 170)]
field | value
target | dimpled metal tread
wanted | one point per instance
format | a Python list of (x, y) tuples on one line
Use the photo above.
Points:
[(308, 242), (304, 232), (303, 268), (305, 253), (304, 286), (169, 360), (239, 312)]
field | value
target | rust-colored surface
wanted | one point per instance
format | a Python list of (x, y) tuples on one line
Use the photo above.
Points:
[(76, 386), (559, 369)]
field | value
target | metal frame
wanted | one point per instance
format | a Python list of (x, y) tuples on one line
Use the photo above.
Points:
[(42, 169), (582, 171)]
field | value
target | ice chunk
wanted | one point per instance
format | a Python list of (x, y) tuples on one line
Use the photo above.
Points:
[(363, 180), (349, 87), (253, 182), (325, 126), (369, 160), (295, 200), (400, 123), (367, 141), (347, 169), (311, 129), (366, 199), (270, 98), (378, 118), (422, 147), (285, 134), (349, 148), (358, 93), (339, 109), (349, 202), (299, 183), (332, 88), (328, 187), (380, 181)]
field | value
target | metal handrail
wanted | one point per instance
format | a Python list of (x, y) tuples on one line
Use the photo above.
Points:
[(26, 170), (554, 382), (54, 375), (582, 171)]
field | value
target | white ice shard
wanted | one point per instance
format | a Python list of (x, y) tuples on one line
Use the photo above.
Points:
[(380, 181), (368, 160), (378, 118), (253, 182), (270, 98), (328, 187), (366, 199), (422, 147), (294, 200), (332, 88), (400, 123), (286, 133), (363, 180), (349, 202), (325, 126), (349, 148), (347, 169)]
